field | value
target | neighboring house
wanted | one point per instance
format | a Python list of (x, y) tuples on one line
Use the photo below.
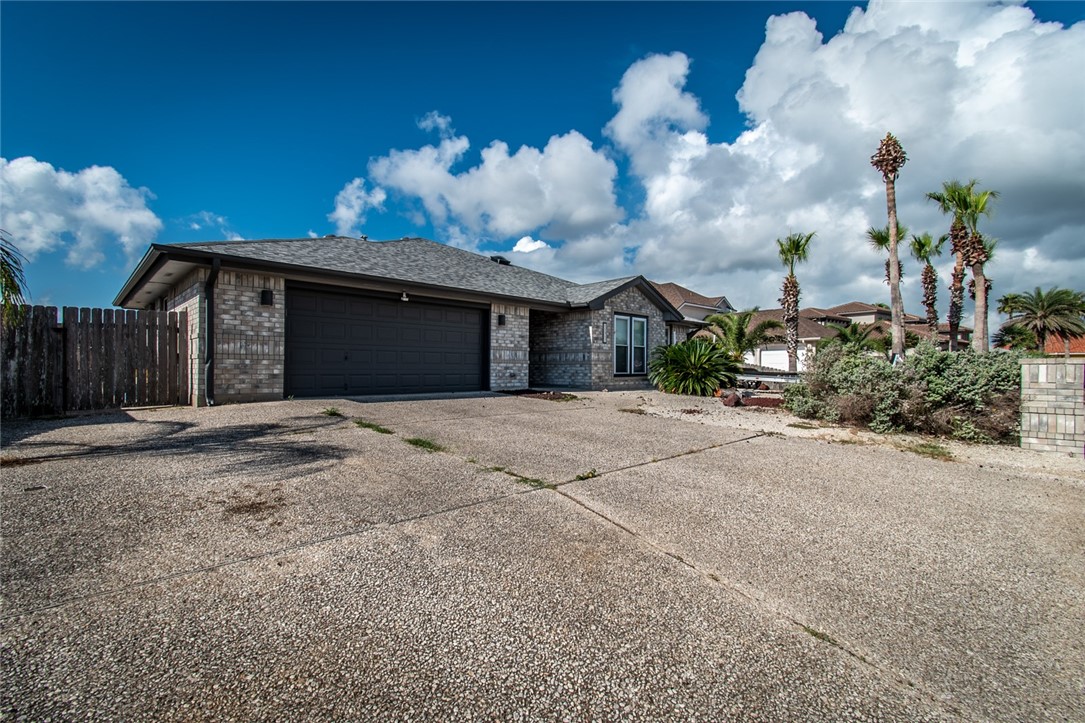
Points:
[(692, 306), (774, 354), (1056, 346), (861, 313), (338, 316)]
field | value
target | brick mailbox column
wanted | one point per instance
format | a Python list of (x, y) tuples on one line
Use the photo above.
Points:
[(1053, 406)]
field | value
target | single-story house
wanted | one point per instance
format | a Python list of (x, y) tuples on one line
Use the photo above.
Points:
[(339, 316)]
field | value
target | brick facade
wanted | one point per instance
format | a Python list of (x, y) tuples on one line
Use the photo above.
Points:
[(631, 301), (560, 349), (249, 338), (1053, 406), (188, 296), (576, 349), (509, 347), (532, 348)]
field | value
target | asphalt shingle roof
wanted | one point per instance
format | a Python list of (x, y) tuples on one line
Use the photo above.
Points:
[(414, 261)]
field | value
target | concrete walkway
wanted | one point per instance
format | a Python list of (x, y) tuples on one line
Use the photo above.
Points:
[(268, 561)]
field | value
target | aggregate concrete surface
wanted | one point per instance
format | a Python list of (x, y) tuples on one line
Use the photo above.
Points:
[(270, 562)]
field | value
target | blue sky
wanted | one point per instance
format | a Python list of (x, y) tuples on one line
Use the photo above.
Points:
[(627, 148)]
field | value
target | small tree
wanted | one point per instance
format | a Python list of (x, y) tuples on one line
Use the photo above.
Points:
[(925, 248), (793, 249), (889, 159), (737, 333)]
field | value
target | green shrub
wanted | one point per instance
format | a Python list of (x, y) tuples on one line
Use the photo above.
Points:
[(697, 367), (974, 397)]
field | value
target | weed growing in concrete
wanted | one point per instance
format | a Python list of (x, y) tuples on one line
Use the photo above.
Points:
[(930, 449), (632, 410), (587, 475), (427, 444), (332, 412), (819, 635), (802, 425), (362, 424)]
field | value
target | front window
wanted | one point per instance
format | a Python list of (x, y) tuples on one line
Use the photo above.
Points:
[(630, 344)]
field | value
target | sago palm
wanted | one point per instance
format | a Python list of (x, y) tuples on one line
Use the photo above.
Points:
[(889, 159), (698, 367), (738, 335), (793, 249), (925, 248), (1059, 312)]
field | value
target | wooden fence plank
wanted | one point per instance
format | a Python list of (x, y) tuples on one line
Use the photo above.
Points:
[(32, 373), (83, 354), (152, 358), (171, 358), (163, 365), (108, 352), (127, 336), (71, 315), (139, 345), (183, 359), (94, 358), (55, 354)]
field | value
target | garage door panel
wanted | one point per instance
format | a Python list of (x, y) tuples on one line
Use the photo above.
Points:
[(345, 344)]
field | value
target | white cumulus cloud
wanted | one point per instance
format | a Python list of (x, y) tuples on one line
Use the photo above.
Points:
[(972, 90), (566, 188), (351, 205), (46, 209), (526, 245)]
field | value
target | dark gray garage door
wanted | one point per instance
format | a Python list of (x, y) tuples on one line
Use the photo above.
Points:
[(343, 344)]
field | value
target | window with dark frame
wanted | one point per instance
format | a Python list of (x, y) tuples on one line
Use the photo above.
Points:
[(630, 344)]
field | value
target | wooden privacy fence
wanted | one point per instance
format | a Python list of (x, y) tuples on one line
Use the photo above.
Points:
[(94, 359)]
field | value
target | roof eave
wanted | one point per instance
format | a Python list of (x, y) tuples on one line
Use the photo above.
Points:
[(158, 254)]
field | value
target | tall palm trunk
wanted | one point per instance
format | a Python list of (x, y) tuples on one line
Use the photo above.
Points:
[(977, 256), (980, 342), (930, 299), (789, 301), (958, 236), (895, 301)]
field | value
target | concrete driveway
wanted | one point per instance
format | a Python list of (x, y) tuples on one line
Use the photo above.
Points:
[(270, 562)]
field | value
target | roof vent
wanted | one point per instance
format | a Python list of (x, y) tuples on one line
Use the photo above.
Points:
[(329, 235), (501, 260)]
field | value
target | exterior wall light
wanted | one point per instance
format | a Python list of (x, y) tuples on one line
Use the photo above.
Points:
[(404, 297), (267, 297), (500, 319)]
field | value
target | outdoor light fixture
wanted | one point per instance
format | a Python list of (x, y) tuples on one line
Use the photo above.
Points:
[(500, 319), (404, 297), (267, 297)]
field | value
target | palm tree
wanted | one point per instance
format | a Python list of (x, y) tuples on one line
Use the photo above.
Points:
[(738, 337), (1008, 303), (925, 248), (1059, 312), (1014, 336), (12, 280), (888, 160), (854, 335), (792, 249), (966, 243), (879, 241)]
